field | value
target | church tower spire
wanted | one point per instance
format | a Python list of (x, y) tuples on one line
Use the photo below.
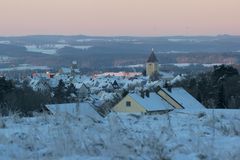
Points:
[(152, 64)]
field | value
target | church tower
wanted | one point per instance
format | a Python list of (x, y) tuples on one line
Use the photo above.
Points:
[(152, 64)]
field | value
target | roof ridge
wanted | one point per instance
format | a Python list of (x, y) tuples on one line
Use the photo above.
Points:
[(152, 57)]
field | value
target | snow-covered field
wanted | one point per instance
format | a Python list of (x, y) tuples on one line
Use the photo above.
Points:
[(180, 65), (5, 42), (180, 134), (5, 59), (52, 49), (188, 64), (23, 67), (82, 47)]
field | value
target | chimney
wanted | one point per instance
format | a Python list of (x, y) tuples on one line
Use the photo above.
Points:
[(142, 93), (147, 93), (169, 88)]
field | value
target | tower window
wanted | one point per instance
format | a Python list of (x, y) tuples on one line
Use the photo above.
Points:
[(128, 104)]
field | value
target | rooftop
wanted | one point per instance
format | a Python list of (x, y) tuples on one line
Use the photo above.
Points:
[(83, 109), (184, 98), (152, 57), (152, 103)]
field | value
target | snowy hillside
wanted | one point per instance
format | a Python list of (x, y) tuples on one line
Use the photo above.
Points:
[(181, 134)]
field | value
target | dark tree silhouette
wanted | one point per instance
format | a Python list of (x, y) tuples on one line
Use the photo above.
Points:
[(221, 99), (60, 92), (71, 93), (222, 71)]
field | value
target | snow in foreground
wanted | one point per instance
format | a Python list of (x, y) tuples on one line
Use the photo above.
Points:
[(178, 135)]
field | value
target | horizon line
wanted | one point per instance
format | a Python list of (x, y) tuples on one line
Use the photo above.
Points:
[(90, 35)]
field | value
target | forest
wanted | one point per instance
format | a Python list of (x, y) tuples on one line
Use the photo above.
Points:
[(219, 88)]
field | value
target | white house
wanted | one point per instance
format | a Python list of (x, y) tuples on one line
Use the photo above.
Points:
[(83, 90), (74, 109)]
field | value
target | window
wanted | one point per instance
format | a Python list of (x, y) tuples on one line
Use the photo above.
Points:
[(128, 104)]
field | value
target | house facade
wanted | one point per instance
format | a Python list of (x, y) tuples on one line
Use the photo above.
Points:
[(83, 90), (129, 105), (144, 103)]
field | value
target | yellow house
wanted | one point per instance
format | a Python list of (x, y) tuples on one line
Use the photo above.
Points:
[(135, 103), (152, 64), (179, 98)]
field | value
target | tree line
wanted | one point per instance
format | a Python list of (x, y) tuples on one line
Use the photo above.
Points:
[(20, 98), (23, 99), (219, 88)]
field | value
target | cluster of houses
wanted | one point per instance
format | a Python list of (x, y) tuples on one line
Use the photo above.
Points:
[(116, 93)]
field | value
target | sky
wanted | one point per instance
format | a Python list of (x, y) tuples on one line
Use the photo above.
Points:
[(120, 17)]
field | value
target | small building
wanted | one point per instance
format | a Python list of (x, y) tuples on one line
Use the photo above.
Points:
[(69, 71), (179, 98), (39, 84), (74, 109), (65, 70), (115, 85), (136, 103), (152, 65), (83, 90)]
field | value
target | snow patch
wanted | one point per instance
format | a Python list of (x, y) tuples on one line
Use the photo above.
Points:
[(82, 47), (5, 42), (25, 67)]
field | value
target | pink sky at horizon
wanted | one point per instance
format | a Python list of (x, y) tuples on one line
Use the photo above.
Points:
[(120, 17)]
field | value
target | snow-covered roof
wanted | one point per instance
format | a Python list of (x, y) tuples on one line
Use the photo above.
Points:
[(166, 75), (66, 70), (85, 109), (178, 78), (152, 58), (102, 95), (76, 70), (80, 85), (152, 103), (184, 98)]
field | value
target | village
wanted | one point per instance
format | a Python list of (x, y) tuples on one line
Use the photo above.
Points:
[(123, 115), (121, 92)]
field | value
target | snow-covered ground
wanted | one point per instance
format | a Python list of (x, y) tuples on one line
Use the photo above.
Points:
[(188, 64), (43, 49), (5, 59), (5, 42), (23, 67), (180, 65), (82, 47), (181, 134), (106, 40), (52, 49)]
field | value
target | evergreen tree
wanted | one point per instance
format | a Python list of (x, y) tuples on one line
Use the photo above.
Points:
[(71, 93), (144, 72), (221, 98), (223, 71), (60, 93), (192, 83), (124, 93), (5, 87), (199, 97)]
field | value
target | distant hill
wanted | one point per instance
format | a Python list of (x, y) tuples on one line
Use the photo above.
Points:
[(95, 51)]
